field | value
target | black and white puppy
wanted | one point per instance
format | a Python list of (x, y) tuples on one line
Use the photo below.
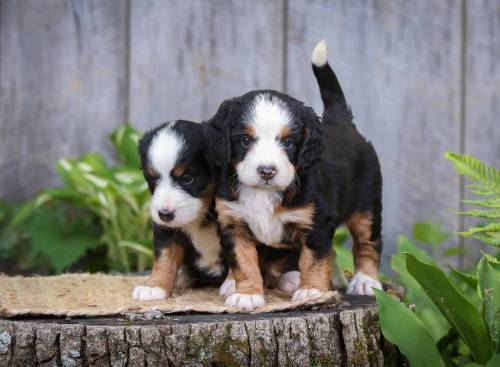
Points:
[(185, 235), (284, 177)]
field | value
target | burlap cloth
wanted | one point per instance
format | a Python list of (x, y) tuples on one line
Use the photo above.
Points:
[(99, 295)]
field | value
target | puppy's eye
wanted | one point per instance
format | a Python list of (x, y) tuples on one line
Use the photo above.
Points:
[(187, 179), (246, 140), (287, 143)]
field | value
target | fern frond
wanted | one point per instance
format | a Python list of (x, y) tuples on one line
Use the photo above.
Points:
[(483, 192), (471, 167), (492, 227), (490, 240), (489, 203), (478, 213)]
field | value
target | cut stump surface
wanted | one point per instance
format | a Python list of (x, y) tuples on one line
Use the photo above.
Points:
[(345, 335)]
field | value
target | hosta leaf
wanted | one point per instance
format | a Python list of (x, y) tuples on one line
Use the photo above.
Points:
[(125, 140), (469, 279), (426, 310), (430, 233), (393, 315), (457, 309), (489, 289)]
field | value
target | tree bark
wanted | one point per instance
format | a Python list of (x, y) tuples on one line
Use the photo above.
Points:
[(345, 335)]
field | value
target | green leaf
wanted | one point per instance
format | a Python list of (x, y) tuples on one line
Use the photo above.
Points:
[(471, 167), (492, 227), (344, 258), (430, 233), (125, 140), (477, 213), (425, 309), (61, 241), (469, 279), (137, 248), (459, 311), (494, 361), (453, 251), (489, 290), (488, 203), (415, 338)]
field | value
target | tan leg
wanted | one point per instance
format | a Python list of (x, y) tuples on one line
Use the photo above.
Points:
[(315, 274), (163, 276), (249, 284), (366, 253)]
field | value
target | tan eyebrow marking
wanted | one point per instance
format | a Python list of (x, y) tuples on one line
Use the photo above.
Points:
[(179, 170), (151, 172), (285, 132), (250, 130)]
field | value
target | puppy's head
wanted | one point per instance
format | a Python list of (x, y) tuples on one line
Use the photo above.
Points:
[(269, 138), (177, 173)]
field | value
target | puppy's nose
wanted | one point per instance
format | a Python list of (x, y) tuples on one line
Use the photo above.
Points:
[(266, 172), (166, 215)]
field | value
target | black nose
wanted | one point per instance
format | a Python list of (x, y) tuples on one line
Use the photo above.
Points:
[(166, 215), (266, 172)]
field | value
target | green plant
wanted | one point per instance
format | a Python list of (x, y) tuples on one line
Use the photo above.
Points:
[(46, 238), (99, 206), (457, 314), (117, 196), (487, 186)]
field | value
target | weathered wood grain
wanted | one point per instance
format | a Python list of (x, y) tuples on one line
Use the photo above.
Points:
[(348, 335), (62, 86), (186, 57), (399, 64), (482, 92)]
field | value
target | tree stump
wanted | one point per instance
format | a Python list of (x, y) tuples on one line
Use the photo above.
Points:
[(347, 334)]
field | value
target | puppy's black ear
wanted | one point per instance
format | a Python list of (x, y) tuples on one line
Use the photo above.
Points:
[(216, 134), (312, 144)]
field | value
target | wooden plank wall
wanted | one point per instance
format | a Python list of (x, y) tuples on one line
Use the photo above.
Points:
[(422, 77)]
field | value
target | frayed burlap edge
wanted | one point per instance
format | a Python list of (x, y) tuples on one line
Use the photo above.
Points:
[(106, 295)]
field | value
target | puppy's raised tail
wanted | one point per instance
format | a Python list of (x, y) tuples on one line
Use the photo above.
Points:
[(329, 86)]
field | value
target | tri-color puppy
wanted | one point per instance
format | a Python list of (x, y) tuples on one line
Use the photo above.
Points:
[(284, 177), (184, 228)]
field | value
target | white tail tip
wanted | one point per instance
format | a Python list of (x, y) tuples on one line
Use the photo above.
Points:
[(320, 54)]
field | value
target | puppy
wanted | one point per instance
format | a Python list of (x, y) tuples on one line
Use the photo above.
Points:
[(283, 177), (184, 224)]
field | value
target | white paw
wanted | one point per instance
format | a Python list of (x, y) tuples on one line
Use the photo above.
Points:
[(246, 302), (302, 294), (290, 281), (142, 293), (362, 285), (227, 288)]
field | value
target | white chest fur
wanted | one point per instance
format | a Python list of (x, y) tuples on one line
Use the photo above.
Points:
[(258, 209), (206, 242)]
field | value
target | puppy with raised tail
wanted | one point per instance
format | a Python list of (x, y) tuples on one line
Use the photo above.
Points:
[(284, 177)]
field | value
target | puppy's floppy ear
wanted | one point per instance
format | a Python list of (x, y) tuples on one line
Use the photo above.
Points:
[(216, 134), (312, 143)]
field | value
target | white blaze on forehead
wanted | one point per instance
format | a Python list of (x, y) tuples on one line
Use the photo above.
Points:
[(166, 147), (268, 116)]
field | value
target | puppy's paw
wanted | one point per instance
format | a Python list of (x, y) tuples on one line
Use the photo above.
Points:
[(227, 288), (303, 294), (143, 293), (362, 285), (245, 302), (289, 282)]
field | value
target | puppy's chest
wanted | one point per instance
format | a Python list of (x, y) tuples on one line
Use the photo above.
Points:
[(267, 219), (259, 212), (206, 242)]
